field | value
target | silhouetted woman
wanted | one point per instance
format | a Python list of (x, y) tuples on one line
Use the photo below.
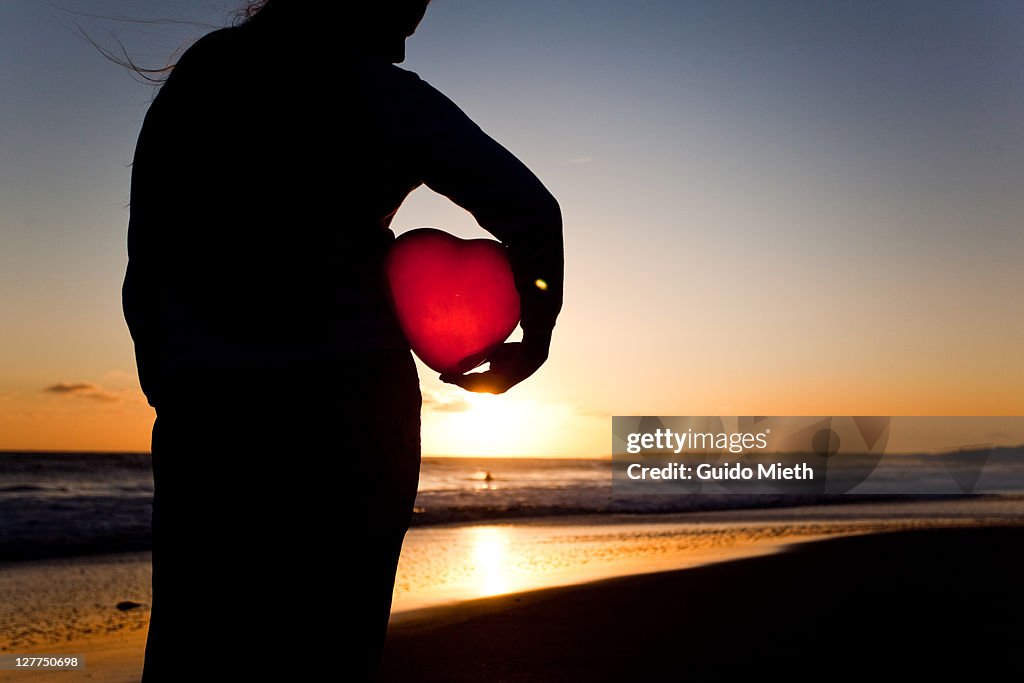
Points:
[(286, 445)]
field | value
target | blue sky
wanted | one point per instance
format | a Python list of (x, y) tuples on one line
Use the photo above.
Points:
[(799, 207)]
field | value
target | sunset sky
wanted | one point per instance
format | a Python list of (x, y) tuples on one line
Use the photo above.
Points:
[(770, 208)]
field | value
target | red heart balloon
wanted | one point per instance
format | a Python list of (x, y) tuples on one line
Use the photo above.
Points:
[(454, 298)]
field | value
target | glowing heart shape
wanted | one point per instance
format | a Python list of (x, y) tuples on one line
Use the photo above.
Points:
[(454, 298)]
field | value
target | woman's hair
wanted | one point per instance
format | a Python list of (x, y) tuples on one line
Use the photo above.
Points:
[(387, 22), (252, 8), (368, 18)]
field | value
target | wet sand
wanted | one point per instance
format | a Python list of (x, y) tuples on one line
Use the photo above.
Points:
[(454, 563), (70, 606), (442, 630), (932, 602)]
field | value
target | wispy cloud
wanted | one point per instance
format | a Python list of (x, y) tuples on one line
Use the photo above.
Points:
[(444, 404), (87, 390), (590, 412)]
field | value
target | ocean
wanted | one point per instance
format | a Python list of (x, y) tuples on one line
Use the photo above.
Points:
[(67, 504)]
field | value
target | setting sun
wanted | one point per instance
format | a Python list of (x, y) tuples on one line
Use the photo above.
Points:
[(459, 423)]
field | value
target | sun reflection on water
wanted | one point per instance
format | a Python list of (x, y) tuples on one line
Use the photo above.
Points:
[(490, 558), (450, 563)]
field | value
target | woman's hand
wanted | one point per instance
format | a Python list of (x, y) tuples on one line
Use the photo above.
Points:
[(511, 363)]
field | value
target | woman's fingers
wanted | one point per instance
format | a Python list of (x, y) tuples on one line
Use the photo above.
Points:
[(510, 364)]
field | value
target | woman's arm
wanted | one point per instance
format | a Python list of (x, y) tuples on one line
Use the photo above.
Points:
[(457, 159)]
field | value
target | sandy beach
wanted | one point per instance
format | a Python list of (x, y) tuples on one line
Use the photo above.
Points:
[(534, 600), (918, 603), (70, 606)]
